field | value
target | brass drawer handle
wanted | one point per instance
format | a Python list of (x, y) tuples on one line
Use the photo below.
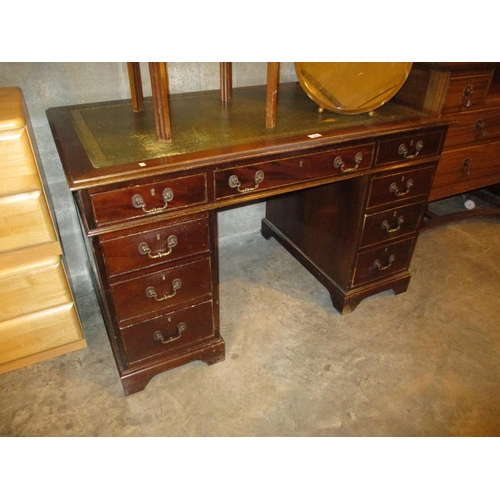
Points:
[(467, 93), (379, 267), (481, 127), (181, 328), (235, 183), (151, 292), (467, 164), (339, 163), (138, 202), (145, 250), (403, 150), (393, 188), (387, 227)]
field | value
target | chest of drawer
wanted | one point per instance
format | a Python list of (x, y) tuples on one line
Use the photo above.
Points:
[(168, 333), (168, 288), (131, 250), (389, 224), (473, 127), (271, 175), (383, 261), (398, 187), (410, 146), (149, 199), (467, 164), (467, 91)]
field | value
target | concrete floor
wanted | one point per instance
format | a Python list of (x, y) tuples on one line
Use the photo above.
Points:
[(423, 363)]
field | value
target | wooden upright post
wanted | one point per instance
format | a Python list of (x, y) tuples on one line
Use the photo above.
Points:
[(226, 81), (273, 73), (159, 86), (134, 77)]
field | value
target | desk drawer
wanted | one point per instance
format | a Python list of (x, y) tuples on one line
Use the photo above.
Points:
[(467, 92), (381, 262), (169, 333), (410, 146), (130, 250), (474, 127), (264, 176), (400, 186), (468, 164), (148, 199), (390, 224), (166, 289)]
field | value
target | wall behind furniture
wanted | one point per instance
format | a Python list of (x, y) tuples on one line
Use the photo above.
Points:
[(51, 84)]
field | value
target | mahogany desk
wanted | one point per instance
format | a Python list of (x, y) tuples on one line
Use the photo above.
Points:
[(345, 195)]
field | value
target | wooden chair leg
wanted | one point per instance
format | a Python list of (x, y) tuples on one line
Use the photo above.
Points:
[(273, 72), (226, 81), (134, 77), (159, 86)]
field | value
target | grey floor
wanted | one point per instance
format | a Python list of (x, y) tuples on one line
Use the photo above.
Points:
[(423, 363)]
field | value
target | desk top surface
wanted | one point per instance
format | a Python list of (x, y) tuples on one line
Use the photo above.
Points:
[(100, 143)]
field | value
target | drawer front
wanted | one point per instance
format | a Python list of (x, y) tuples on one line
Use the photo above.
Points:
[(473, 127), (34, 333), (18, 170), (25, 221), (468, 164), (381, 262), (400, 186), (264, 176), (33, 291), (467, 92), (149, 199), (410, 146), (165, 289), (169, 333), (390, 224), (125, 251), (338, 162)]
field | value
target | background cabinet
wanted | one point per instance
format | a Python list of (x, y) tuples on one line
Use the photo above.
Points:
[(467, 96), (38, 319)]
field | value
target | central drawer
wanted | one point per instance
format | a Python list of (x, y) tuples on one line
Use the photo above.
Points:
[(279, 173), (166, 289)]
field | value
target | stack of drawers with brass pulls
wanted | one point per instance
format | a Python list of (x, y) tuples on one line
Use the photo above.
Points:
[(467, 95), (358, 249), (38, 319), (157, 276)]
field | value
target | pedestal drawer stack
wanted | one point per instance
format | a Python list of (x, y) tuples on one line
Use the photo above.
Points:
[(38, 319), (362, 244)]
